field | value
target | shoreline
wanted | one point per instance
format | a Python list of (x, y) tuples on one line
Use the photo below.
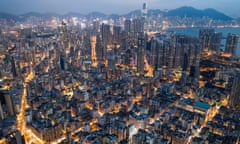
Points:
[(183, 27)]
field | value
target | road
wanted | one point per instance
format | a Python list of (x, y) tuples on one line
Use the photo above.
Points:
[(29, 136)]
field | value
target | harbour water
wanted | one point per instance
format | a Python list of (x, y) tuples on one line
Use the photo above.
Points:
[(195, 32)]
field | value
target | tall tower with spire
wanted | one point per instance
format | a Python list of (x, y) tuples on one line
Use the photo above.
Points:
[(144, 10), (145, 16)]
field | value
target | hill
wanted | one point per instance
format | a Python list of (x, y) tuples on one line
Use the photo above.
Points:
[(179, 12), (192, 12)]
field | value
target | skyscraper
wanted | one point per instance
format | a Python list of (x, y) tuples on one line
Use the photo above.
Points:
[(127, 26), (185, 62), (160, 51), (140, 54), (96, 26), (194, 72), (153, 54), (93, 48), (62, 62), (105, 34), (64, 35), (232, 44), (145, 16), (216, 42), (205, 36), (116, 34), (14, 71), (64, 29), (138, 25), (6, 102), (144, 10), (191, 47), (234, 101), (210, 40), (101, 50)]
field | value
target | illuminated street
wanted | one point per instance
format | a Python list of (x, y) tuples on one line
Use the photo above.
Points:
[(21, 123)]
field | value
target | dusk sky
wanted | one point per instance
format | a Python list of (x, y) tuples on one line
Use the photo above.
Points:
[(229, 7)]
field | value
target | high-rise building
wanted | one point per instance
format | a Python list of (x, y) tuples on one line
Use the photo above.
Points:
[(138, 25), (191, 47), (159, 51), (163, 54), (63, 62), (127, 59), (140, 54), (205, 36), (106, 34), (144, 10), (96, 26), (93, 48), (64, 34), (14, 71), (153, 54), (185, 62), (232, 44), (1, 112), (87, 44), (216, 42), (127, 26), (234, 100), (6, 104), (116, 34), (194, 72), (210, 40), (174, 51), (101, 50), (145, 16), (163, 51)]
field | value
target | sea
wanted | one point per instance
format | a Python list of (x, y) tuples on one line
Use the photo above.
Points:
[(195, 32)]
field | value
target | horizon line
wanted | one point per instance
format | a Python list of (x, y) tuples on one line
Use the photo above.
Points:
[(112, 13)]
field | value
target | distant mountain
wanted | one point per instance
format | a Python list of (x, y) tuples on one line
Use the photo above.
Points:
[(96, 15), (114, 16), (154, 12), (135, 13), (36, 14), (31, 14), (216, 15), (184, 12), (192, 12), (238, 20), (49, 15), (179, 12), (8, 16), (73, 14)]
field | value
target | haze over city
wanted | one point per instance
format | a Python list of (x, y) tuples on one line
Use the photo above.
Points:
[(229, 7)]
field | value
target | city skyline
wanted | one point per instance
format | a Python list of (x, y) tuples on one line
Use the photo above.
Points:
[(153, 72), (108, 7)]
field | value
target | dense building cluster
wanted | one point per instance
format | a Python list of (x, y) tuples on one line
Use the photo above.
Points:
[(113, 84)]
